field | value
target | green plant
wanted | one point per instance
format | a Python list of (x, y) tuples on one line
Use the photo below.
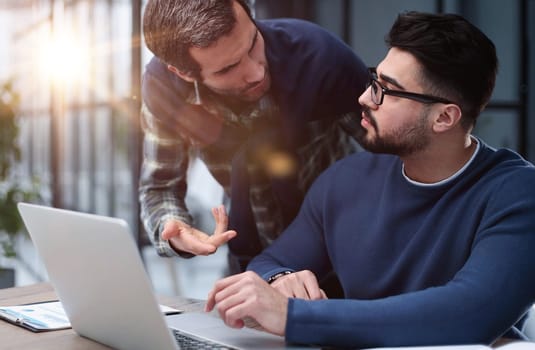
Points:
[(12, 190)]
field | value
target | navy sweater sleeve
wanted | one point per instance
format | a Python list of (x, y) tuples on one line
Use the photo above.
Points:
[(484, 298)]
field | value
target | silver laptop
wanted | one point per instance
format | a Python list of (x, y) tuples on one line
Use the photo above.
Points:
[(97, 272)]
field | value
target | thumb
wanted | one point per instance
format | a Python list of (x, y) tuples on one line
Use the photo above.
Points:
[(171, 229)]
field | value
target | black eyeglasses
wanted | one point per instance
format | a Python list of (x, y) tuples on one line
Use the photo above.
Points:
[(378, 92)]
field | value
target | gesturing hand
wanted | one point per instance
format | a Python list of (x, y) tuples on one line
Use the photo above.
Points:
[(183, 237)]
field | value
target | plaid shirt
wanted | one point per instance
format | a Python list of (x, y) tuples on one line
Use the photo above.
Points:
[(166, 157)]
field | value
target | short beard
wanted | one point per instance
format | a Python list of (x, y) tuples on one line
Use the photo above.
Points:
[(402, 142)]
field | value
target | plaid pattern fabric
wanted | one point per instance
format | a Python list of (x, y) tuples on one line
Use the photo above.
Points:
[(166, 157)]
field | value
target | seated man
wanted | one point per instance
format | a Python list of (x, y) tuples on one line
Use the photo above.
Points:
[(432, 232)]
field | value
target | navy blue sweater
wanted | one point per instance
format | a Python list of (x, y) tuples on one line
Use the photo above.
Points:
[(419, 265)]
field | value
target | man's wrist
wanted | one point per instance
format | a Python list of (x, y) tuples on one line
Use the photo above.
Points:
[(278, 275)]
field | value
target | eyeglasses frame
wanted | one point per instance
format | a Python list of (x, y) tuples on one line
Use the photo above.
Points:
[(423, 98)]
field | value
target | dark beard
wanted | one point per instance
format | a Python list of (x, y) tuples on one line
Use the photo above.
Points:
[(401, 143)]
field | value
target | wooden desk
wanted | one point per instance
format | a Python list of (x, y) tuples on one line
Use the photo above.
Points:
[(14, 337)]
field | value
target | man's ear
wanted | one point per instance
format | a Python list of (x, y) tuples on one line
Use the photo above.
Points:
[(449, 116), (185, 76)]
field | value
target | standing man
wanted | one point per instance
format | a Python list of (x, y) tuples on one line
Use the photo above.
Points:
[(431, 232), (267, 105)]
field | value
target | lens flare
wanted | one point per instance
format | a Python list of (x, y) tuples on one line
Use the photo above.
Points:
[(63, 59)]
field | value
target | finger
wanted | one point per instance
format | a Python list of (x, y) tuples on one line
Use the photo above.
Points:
[(301, 292), (211, 298), (224, 307), (171, 229), (236, 296), (323, 295), (210, 301), (223, 289), (221, 219), (291, 286), (237, 323), (220, 286), (311, 284), (232, 316), (222, 238), (166, 234), (234, 284), (313, 290)]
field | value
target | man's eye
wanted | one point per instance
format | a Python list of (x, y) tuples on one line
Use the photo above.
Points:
[(225, 70)]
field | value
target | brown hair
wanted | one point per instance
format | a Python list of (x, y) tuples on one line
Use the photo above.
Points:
[(172, 27)]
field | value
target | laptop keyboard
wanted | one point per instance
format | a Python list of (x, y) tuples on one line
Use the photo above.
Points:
[(189, 342)]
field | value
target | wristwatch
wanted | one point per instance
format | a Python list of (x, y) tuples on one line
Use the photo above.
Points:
[(278, 275)]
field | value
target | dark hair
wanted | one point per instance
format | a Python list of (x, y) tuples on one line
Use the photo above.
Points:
[(172, 27), (458, 60)]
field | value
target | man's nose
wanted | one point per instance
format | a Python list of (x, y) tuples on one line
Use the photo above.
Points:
[(365, 98), (255, 71)]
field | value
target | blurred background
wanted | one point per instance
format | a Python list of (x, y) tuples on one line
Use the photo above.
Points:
[(70, 73)]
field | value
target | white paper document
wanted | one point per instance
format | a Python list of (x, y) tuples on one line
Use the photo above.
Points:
[(46, 316)]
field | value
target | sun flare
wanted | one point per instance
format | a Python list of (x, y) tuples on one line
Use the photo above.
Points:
[(63, 60)]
